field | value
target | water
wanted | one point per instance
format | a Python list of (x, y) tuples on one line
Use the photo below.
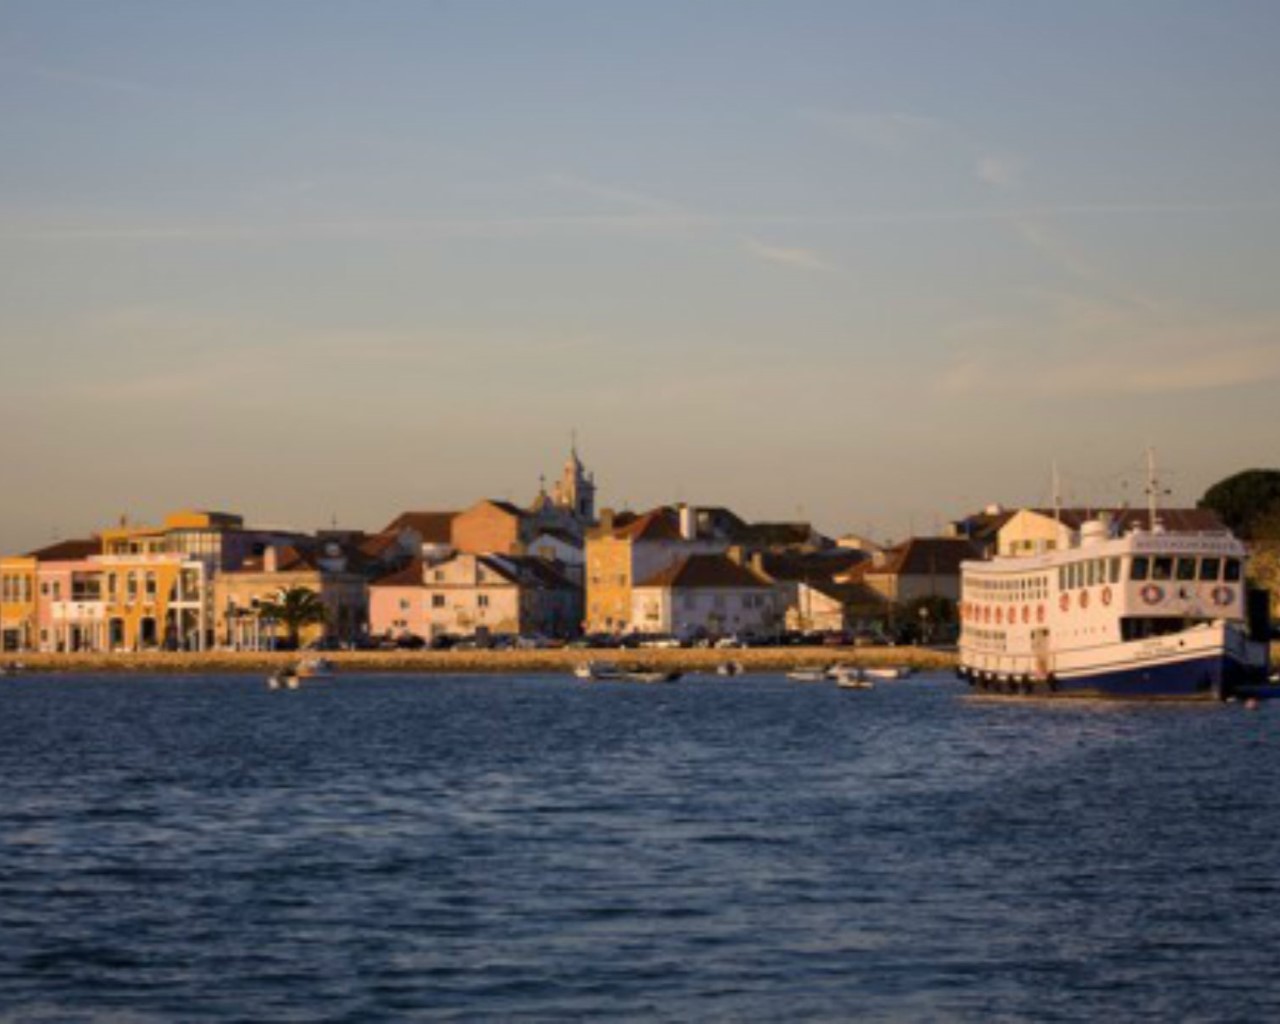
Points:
[(384, 848)]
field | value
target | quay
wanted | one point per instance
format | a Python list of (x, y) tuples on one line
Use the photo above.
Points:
[(752, 659)]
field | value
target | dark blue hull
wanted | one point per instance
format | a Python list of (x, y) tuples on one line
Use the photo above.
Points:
[(1215, 677)]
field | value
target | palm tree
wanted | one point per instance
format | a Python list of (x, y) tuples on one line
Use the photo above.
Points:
[(294, 608)]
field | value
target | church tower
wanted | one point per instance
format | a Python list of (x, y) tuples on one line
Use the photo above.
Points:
[(575, 493)]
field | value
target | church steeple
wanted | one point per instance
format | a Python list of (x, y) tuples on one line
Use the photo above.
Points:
[(575, 492)]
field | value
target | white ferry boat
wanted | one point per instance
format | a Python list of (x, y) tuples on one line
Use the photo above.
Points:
[(1146, 613)]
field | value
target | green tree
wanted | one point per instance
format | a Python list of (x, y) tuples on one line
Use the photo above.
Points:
[(1248, 503), (294, 608)]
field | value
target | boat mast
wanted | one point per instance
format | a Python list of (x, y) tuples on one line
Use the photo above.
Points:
[(1153, 490)]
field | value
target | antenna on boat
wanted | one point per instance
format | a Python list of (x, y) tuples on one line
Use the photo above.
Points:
[(1154, 490)]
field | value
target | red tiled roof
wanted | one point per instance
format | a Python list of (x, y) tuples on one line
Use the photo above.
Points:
[(68, 551), (925, 556), (432, 527), (706, 571), (409, 576)]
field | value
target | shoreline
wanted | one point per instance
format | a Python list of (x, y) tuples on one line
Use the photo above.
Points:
[(753, 659)]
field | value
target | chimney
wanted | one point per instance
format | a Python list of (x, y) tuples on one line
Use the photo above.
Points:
[(270, 558), (688, 523)]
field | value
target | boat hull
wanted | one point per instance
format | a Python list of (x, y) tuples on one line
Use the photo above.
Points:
[(1209, 677)]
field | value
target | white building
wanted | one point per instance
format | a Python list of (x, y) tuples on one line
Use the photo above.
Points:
[(704, 595)]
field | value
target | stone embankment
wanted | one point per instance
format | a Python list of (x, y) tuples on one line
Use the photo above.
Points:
[(756, 659)]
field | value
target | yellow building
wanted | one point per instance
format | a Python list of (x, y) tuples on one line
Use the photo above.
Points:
[(18, 613), (157, 580), (238, 594)]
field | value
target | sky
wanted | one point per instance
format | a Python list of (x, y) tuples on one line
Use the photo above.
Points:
[(871, 264)]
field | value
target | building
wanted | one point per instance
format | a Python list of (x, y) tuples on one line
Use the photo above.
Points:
[(491, 527), (328, 570), (432, 531), (1032, 531), (704, 595), (70, 612), (627, 548), (18, 609), (923, 567), (468, 594)]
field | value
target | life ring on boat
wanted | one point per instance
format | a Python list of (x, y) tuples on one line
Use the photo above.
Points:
[(1222, 596), (1064, 602), (1106, 595), (1084, 599), (1152, 593)]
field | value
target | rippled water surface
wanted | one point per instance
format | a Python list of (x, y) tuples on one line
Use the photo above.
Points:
[(383, 848)]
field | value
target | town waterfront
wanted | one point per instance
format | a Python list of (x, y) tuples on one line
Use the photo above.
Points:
[(528, 846)]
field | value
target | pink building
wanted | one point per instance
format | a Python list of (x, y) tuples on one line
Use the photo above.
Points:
[(70, 612)]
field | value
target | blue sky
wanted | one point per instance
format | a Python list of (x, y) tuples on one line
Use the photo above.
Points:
[(873, 263)]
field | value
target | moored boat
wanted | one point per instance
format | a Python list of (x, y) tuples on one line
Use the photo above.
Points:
[(652, 676), (887, 672), (1142, 612), (594, 671)]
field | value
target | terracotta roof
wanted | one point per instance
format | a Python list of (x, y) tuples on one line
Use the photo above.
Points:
[(848, 594), (818, 565), (379, 543), (528, 570), (706, 571), (655, 525), (67, 551), (926, 556), (410, 576), (432, 527)]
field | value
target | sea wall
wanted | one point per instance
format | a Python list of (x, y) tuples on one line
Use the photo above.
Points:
[(764, 659)]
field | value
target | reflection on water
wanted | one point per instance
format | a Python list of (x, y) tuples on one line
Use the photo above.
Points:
[(374, 848)]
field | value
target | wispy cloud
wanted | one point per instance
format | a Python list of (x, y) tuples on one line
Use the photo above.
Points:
[(792, 256), (1071, 346)]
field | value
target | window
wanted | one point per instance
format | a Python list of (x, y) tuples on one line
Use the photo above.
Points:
[(1140, 568), (1162, 568), (1209, 569), (1114, 567), (404, 604), (1186, 569), (482, 601), (151, 584), (1232, 574), (437, 600)]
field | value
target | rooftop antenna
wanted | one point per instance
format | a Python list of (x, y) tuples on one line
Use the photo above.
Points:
[(1057, 493)]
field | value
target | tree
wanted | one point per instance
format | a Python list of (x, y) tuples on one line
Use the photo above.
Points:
[(1248, 503), (295, 609)]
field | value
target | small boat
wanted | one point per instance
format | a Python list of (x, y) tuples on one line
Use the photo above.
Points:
[(809, 675), (12, 668), (652, 676), (314, 668), (595, 671), (730, 668), (284, 679), (850, 677), (888, 672)]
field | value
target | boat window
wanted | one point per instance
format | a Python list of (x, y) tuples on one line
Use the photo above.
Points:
[(1209, 568), (1186, 568), (1140, 568), (1162, 568), (1232, 574), (1115, 570)]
